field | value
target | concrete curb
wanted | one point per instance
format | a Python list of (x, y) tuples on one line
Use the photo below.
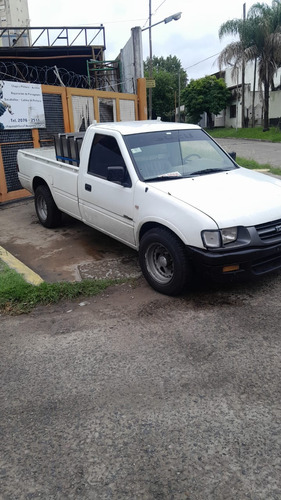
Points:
[(18, 266)]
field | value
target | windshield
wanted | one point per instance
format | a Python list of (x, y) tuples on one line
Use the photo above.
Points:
[(175, 154)]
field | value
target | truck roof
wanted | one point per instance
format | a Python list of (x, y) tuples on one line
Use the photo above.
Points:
[(142, 126)]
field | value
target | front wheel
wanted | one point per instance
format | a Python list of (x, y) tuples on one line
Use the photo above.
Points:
[(47, 211), (163, 261)]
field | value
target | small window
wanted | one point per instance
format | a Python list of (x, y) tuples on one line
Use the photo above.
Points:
[(105, 153), (233, 111)]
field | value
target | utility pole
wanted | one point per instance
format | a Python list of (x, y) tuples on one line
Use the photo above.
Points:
[(173, 17), (179, 96), (150, 66)]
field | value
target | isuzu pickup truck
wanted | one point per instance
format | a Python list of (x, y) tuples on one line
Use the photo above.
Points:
[(169, 191)]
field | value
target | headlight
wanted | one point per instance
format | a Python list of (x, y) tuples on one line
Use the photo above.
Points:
[(229, 235), (219, 238), (211, 239)]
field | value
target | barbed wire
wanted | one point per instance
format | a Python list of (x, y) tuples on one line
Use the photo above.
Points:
[(52, 75)]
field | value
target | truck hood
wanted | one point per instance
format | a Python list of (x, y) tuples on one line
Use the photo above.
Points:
[(237, 197)]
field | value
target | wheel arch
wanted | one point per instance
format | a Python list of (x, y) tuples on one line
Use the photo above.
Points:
[(153, 225), (38, 181)]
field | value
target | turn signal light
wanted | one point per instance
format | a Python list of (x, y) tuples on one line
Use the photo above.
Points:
[(228, 269)]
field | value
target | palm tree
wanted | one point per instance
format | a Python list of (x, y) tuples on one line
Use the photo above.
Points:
[(259, 41), (268, 47), (240, 52)]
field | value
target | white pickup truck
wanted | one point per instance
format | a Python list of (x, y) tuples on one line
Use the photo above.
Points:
[(167, 190)]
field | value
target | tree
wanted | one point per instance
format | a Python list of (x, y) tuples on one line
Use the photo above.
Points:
[(239, 52), (259, 41), (208, 94), (268, 47), (169, 76)]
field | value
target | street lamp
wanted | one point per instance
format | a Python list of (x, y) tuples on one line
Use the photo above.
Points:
[(174, 17)]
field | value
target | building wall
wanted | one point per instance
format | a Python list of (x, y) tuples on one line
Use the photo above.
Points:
[(14, 13), (275, 104), (131, 57), (233, 114)]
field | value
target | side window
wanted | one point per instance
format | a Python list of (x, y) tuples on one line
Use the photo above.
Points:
[(105, 153)]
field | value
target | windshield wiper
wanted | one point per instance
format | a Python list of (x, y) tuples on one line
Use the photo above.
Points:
[(209, 171), (163, 178)]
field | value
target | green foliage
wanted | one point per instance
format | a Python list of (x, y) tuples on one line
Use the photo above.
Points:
[(163, 96), (17, 296), (170, 65), (253, 165), (208, 94), (168, 74), (273, 134)]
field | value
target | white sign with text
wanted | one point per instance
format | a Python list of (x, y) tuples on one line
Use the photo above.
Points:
[(21, 105)]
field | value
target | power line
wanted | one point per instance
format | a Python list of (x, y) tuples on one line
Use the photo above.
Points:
[(158, 7), (154, 12), (203, 60)]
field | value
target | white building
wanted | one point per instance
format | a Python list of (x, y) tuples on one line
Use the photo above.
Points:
[(13, 13), (232, 115)]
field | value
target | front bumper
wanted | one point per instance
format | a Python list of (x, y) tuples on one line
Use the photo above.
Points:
[(248, 262)]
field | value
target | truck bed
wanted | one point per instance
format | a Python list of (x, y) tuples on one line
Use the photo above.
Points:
[(47, 155), (61, 178)]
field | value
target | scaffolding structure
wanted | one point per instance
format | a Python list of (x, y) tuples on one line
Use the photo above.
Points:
[(104, 75)]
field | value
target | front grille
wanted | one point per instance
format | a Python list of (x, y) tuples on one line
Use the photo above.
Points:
[(270, 232)]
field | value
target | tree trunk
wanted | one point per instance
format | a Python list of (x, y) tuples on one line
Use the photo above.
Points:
[(209, 120), (254, 92), (266, 105), (243, 94)]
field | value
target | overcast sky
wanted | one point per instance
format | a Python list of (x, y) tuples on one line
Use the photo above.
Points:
[(192, 39)]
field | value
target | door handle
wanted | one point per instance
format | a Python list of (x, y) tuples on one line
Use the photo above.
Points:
[(88, 187)]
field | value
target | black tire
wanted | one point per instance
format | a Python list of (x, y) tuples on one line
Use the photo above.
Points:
[(163, 261), (47, 211)]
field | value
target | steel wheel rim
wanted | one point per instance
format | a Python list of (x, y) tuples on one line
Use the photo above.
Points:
[(159, 263), (42, 207)]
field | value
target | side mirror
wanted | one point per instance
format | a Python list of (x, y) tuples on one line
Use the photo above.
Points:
[(116, 174), (233, 155), (119, 175)]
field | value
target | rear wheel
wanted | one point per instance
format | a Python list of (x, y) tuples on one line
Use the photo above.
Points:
[(47, 211), (163, 261)]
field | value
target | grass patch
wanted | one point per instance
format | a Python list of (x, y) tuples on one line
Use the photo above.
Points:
[(272, 135), (253, 165), (17, 296)]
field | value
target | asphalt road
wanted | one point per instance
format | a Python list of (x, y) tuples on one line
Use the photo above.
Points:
[(134, 395), (260, 151)]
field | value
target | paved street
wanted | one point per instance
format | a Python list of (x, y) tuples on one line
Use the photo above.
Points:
[(262, 152), (134, 395)]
